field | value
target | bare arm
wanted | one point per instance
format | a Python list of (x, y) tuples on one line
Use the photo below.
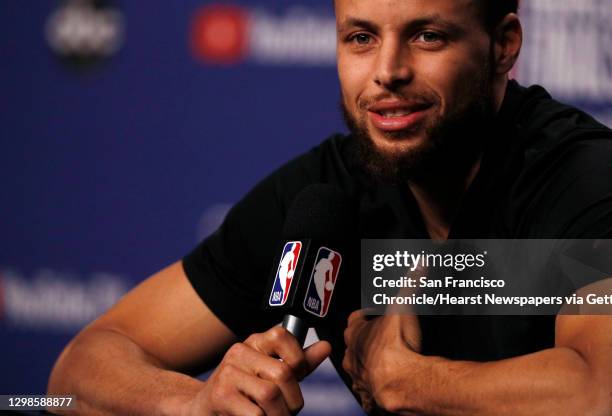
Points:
[(573, 378), (123, 362), (128, 361)]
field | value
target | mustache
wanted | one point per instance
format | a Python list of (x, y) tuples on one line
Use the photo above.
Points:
[(412, 99)]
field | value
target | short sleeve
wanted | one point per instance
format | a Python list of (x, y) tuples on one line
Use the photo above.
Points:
[(573, 205), (577, 201)]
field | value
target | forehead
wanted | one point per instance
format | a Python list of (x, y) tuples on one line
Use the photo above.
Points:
[(402, 12)]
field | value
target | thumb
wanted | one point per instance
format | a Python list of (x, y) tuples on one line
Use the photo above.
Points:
[(315, 354)]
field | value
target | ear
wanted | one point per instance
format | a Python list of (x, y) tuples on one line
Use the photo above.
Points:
[(508, 38)]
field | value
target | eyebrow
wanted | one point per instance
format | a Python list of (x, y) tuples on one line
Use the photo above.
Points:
[(355, 22), (434, 19)]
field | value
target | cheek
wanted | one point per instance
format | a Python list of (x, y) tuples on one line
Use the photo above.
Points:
[(353, 75), (451, 79)]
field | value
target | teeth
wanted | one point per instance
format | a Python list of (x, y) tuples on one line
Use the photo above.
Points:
[(394, 113)]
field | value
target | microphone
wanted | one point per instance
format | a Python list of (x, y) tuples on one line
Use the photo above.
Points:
[(318, 238)]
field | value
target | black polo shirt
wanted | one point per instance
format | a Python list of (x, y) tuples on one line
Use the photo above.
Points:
[(546, 172)]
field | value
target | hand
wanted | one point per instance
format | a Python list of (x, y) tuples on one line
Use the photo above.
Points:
[(378, 349), (260, 377)]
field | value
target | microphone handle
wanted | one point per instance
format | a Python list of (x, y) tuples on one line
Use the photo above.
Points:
[(297, 327)]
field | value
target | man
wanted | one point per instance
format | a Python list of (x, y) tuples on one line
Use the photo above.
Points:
[(442, 146)]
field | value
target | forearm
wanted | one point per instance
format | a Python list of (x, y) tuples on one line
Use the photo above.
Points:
[(109, 374), (551, 382)]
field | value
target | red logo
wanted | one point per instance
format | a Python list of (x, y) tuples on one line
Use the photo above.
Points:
[(219, 34)]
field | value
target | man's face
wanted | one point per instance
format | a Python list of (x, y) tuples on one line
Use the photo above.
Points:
[(410, 70)]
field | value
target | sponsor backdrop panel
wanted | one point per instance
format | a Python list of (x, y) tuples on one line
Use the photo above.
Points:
[(129, 130)]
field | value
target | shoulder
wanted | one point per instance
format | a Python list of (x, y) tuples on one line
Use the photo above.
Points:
[(566, 165), (547, 124), (562, 142)]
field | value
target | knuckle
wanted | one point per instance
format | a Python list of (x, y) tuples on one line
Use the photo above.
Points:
[(347, 336), (220, 371), (230, 354), (298, 405), (252, 339), (354, 315), (218, 393), (269, 392), (295, 358), (235, 351), (282, 373), (226, 373), (277, 333), (387, 402)]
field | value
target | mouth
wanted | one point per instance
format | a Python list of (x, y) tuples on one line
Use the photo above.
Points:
[(393, 116)]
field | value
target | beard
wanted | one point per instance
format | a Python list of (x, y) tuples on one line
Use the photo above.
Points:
[(452, 145)]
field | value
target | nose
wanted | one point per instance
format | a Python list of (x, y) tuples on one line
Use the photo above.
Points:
[(393, 67)]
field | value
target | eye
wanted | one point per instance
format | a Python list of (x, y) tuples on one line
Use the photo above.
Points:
[(429, 37), (361, 39)]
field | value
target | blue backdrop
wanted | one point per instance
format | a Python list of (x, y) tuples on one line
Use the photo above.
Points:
[(128, 129)]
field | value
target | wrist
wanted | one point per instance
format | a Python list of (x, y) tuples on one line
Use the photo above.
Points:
[(408, 385), (180, 404)]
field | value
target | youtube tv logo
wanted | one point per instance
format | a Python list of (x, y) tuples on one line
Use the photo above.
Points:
[(219, 34), (226, 34)]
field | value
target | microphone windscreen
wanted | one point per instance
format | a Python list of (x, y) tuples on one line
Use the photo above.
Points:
[(321, 212)]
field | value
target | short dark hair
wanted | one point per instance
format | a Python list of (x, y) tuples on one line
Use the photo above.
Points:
[(494, 11)]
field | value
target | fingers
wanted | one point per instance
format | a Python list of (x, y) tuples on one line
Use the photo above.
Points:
[(355, 315), (267, 395), (271, 370), (355, 324), (280, 375), (237, 392), (264, 372), (315, 354), (231, 401), (258, 377), (280, 343), (356, 320), (347, 362), (365, 314)]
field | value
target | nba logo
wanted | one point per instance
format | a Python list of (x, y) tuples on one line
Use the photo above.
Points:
[(284, 273), (322, 281)]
